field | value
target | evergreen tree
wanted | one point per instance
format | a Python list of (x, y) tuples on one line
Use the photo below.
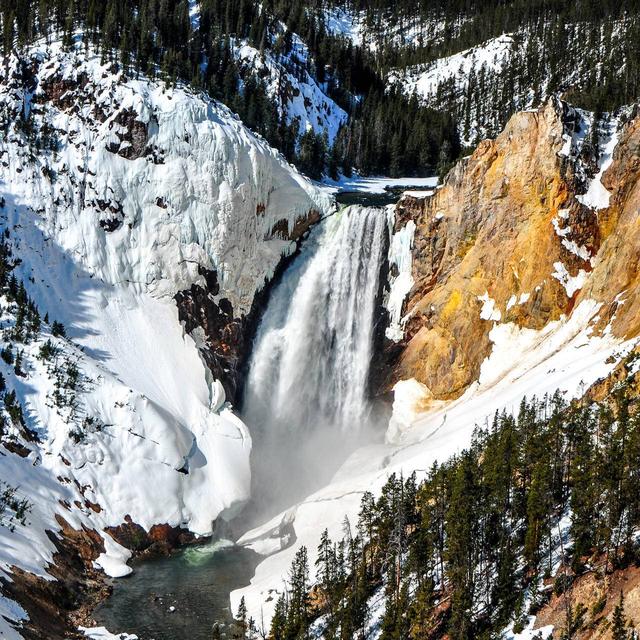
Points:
[(618, 622)]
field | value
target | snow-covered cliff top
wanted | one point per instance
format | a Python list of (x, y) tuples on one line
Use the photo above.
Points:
[(147, 182)]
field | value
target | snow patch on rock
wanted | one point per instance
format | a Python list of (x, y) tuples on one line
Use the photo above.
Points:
[(410, 399), (570, 283), (400, 259), (489, 309), (114, 560)]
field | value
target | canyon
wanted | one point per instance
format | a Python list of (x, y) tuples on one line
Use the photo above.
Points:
[(202, 283)]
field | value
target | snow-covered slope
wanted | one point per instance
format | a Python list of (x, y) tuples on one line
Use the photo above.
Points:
[(150, 182), (484, 84), (117, 194), (493, 55), (390, 28), (565, 355), (296, 93), (457, 75)]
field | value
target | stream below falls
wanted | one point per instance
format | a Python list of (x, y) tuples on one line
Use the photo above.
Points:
[(189, 590)]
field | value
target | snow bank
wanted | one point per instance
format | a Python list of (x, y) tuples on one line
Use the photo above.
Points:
[(410, 399), (11, 616), (205, 191), (114, 560), (101, 633)]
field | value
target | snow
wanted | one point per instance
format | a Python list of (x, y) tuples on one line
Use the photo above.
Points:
[(11, 616), (489, 309), (509, 338), (565, 355), (529, 632), (380, 184), (163, 445), (213, 176), (376, 607), (194, 14), (560, 232), (575, 137), (578, 250), (597, 196), (388, 29), (514, 300), (339, 22), (300, 97), (418, 194), (410, 399), (569, 282), (101, 633), (424, 80), (114, 561), (570, 245), (399, 256)]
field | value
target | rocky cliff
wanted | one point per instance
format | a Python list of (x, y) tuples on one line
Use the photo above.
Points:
[(139, 223), (521, 232)]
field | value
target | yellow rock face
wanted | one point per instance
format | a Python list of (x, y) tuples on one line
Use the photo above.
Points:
[(489, 241)]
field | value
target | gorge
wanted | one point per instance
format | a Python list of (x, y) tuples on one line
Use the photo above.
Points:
[(307, 406), (249, 390)]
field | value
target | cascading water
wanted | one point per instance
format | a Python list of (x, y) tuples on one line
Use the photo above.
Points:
[(306, 399)]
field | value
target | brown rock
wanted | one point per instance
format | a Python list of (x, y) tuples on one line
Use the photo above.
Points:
[(494, 228)]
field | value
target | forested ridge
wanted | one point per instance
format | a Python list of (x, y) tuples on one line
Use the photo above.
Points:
[(588, 50), (156, 37), (537, 499)]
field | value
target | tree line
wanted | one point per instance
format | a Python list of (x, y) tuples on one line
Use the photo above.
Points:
[(157, 37), (538, 498)]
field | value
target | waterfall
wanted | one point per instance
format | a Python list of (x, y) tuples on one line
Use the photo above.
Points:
[(307, 386)]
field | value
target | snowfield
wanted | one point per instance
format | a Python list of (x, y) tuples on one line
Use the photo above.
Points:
[(132, 190), (374, 185)]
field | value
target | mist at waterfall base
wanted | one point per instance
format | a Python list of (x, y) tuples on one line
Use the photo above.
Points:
[(307, 400)]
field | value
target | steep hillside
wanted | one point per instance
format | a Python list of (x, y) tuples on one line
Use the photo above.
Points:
[(300, 98), (523, 233), (520, 70), (504, 267), (127, 206)]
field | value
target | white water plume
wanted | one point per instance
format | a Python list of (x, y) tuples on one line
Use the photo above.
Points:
[(307, 390)]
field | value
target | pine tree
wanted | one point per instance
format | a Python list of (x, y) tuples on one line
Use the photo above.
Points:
[(618, 621), (279, 619), (298, 606), (240, 621)]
